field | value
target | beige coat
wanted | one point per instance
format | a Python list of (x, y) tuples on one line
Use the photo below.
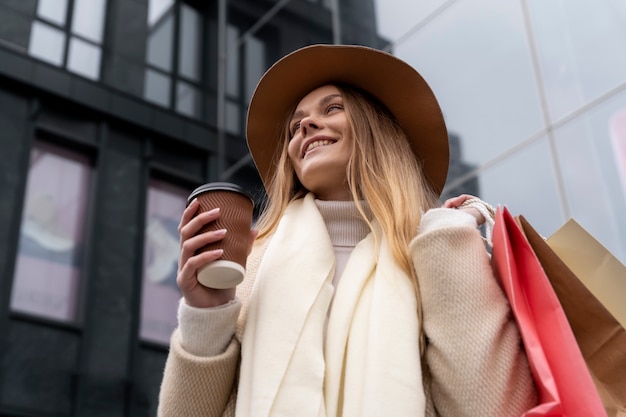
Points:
[(474, 353)]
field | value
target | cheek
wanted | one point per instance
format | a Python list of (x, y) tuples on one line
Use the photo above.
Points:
[(293, 149)]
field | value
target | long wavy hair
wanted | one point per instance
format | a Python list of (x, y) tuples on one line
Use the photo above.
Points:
[(382, 171)]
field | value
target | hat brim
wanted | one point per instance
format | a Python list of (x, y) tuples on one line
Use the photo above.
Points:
[(392, 81)]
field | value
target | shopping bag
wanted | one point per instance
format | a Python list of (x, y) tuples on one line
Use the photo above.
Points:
[(585, 276), (564, 383)]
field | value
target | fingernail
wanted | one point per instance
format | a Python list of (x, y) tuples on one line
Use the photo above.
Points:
[(220, 232), (218, 252), (214, 211)]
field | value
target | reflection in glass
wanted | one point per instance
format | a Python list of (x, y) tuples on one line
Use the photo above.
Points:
[(46, 43), (157, 88), (617, 129), (187, 99), (158, 8), (160, 294), (581, 50), (51, 235), (54, 11), (479, 66), (233, 118), (588, 150), (160, 43), (526, 184), (232, 61), (255, 64), (84, 59), (189, 43), (88, 19)]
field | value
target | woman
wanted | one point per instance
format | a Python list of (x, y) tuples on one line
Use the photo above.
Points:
[(361, 296)]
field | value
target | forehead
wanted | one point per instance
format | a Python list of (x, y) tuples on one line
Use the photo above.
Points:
[(317, 94)]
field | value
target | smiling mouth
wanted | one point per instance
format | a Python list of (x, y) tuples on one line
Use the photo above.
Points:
[(317, 144)]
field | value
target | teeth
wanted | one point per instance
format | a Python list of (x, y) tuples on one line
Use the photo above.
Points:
[(317, 143)]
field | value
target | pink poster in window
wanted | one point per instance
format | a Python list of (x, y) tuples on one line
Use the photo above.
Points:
[(160, 294), (618, 141), (50, 248)]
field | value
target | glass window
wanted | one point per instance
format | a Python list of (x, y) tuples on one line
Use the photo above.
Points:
[(187, 99), (14, 28), (157, 88), (478, 64), (84, 59), (160, 37), (581, 48), (160, 294), (591, 152), (190, 54), (51, 244), (233, 118), (255, 64), (54, 11), (47, 43), (88, 19), (396, 18), (526, 183), (157, 9), (232, 61)]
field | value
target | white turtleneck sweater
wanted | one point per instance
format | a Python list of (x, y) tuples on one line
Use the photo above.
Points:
[(207, 331)]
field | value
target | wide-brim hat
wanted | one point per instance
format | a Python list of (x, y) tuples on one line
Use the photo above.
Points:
[(392, 81)]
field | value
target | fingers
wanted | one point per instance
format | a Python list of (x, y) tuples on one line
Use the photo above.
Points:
[(186, 279), (457, 201)]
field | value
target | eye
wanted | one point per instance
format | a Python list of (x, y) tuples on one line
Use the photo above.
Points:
[(294, 128), (333, 107)]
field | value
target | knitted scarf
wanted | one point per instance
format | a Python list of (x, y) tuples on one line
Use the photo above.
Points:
[(301, 357)]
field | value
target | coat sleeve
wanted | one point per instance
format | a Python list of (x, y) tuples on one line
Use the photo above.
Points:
[(206, 386), (474, 354), (197, 386)]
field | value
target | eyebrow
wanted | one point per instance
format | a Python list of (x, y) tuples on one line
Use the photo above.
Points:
[(324, 101)]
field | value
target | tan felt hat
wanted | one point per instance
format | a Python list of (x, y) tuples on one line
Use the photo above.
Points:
[(392, 81)]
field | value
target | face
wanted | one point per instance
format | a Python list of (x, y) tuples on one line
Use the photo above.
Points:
[(320, 144)]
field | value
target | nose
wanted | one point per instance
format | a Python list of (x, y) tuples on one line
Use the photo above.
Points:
[(309, 123)]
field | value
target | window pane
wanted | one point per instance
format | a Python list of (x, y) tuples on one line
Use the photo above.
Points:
[(160, 294), (47, 43), (255, 64), (88, 19), (232, 61), (233, 118), (157, 9), (160, 38), (592, 156), (582, 48), (51, 243), (157, 88), (14, 28), (187, 99), (84, 59), (53, 10), (189, 43), (491, 103)]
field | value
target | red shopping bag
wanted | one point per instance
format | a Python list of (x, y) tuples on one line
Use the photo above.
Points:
[(563, 381)]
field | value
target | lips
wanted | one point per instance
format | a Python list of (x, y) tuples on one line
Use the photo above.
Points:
[(315, 143)]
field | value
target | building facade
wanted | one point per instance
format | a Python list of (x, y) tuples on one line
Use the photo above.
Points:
[(112, 111)]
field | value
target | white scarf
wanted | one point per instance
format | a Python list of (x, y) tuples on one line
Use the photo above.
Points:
[(367, 364)]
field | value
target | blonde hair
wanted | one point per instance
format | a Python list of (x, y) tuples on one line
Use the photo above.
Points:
[(382, 170)]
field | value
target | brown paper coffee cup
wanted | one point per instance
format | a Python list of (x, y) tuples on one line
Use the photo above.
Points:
[(236, 207)]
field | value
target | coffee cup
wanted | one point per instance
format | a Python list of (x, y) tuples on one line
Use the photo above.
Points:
[(236, 208)]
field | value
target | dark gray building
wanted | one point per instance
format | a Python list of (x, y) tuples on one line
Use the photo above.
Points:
[(111, 111)]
